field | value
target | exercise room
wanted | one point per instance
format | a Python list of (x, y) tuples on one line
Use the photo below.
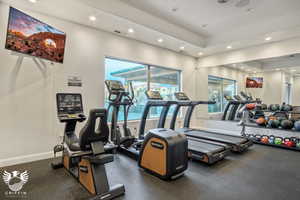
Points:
[(149, 99)]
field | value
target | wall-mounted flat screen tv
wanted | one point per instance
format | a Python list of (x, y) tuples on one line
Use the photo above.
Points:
[(28, 35), (254, 82)]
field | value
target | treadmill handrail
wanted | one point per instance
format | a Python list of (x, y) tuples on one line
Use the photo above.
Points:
[(191, 105), (163, 115)]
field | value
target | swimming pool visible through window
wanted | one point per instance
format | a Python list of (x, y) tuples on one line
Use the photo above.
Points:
[(143, 77)]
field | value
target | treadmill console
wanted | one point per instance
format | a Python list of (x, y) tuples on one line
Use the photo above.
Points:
[(69, 107), (153, 95), (228, 98), (181, 96), (115, 86), (238, 98)]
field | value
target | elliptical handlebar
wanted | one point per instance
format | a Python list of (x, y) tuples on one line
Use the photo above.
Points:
[(117, 91), (206, 102)]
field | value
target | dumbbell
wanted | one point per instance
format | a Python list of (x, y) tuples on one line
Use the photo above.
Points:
[(265, 139), (289, 142), (278, 140), (296, 141), (271, 139), (257, 137)]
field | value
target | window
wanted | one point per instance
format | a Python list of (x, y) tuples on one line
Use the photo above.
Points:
[(217, 88), (166, 81), (143, 77)]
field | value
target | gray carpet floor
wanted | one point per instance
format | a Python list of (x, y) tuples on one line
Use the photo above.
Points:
[(261, 173)]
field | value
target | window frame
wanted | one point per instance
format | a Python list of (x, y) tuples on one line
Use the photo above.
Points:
[(148, 68), (222, 91)]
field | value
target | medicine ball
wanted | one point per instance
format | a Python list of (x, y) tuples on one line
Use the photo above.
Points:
[(274, 107), (280, 115), (286, 108), (251, 106), (287, 124), (258, 107), (261, 121), (280, 119), (297, 125), (274, 123), (259, 114), (264, 106)]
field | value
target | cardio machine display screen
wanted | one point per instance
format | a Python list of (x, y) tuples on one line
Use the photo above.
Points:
[(68, 103)]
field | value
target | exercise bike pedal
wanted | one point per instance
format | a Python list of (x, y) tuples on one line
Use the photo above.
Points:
[(58, 148), (57, 165)]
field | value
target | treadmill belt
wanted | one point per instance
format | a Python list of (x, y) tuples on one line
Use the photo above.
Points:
[(203, 147), (214, 136)]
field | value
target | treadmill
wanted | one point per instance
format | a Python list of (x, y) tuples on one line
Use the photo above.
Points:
[(237, 143), (233, 106), (230, 107), (198, 149)]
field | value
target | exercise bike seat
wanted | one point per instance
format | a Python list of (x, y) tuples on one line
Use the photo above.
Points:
[(74, 147), (100, 159)]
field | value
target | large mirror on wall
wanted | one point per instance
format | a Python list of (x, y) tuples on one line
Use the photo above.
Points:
[(272, 80)]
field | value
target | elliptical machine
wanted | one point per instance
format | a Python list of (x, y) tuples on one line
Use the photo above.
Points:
[(118, 97)]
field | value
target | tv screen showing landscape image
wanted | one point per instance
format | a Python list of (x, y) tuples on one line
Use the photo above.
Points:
[(28, 35), (254, 82)]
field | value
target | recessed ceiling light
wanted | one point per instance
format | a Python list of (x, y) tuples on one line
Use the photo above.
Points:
[(268, 38), (229, 47), (182, 48), (32, 1), (92, 18), (160, 40), (200, 53), (130, 30)]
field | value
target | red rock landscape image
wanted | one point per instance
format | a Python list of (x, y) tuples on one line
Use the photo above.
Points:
[(254, 82), (33, 37)]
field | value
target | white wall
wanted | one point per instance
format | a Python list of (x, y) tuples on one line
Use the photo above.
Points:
[(29, 126), (296, 91), (272, 91)]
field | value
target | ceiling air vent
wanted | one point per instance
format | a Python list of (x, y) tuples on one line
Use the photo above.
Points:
[(242, 3), (223, 1)]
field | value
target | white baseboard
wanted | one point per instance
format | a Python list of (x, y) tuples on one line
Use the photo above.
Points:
[(25, 159)]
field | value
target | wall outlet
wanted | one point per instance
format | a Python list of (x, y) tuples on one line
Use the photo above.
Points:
[(135, 131), (61, 137)]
